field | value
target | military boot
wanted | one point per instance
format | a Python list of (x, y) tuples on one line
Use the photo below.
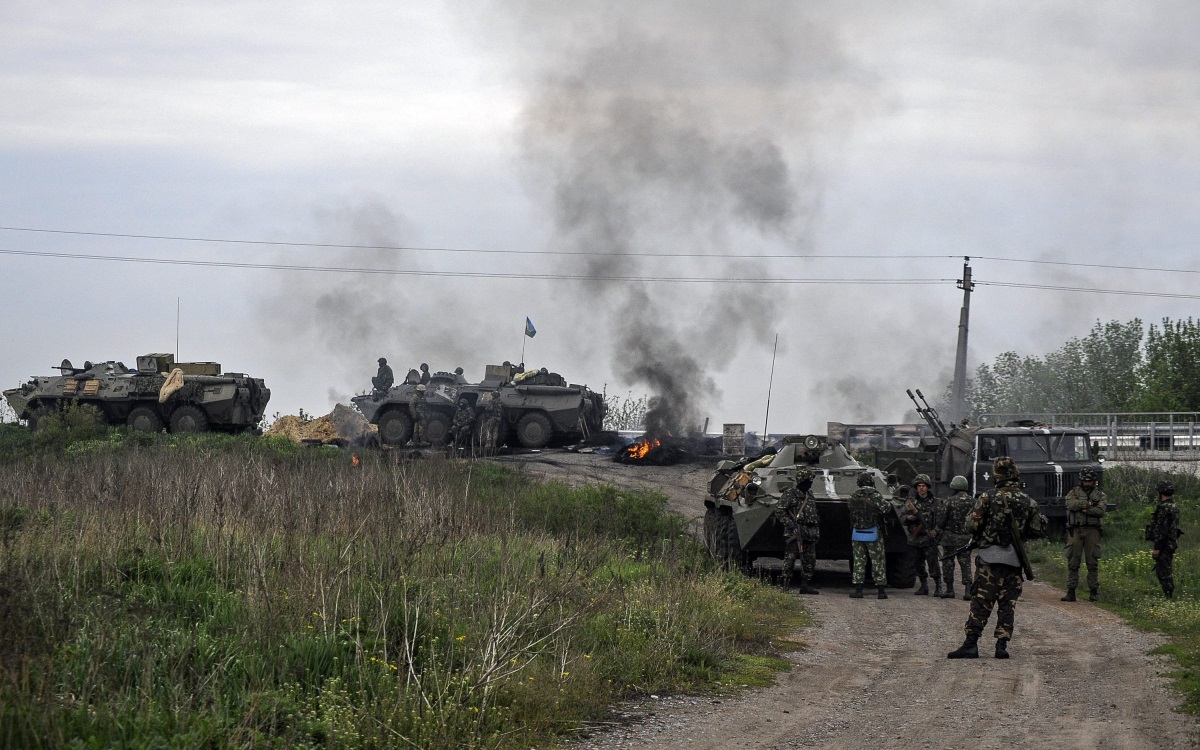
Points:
[(969, 649), (949, 592), (856, 593), (924, 590), (1001, 648), (1070, 596), (1169, 593), (882, 593), (1093, 595), (937, 589), (806, 587)]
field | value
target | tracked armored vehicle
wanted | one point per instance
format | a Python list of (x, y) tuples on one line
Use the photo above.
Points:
[(158, 393), (539, 408), (739, 521)]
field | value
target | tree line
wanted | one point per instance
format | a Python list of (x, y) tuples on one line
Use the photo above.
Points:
[(1117, 367)]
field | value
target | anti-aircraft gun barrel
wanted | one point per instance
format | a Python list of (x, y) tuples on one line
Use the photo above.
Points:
[(930, 415)]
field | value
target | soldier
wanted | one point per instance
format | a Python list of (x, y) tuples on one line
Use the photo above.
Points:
[(921, 510), (490, 428), (952, 532), (459, 377), (1086, 506), (867, 508), (383, 379), (416, 410), (797, 511), (460, 426), (992, 522), (1164, 531)]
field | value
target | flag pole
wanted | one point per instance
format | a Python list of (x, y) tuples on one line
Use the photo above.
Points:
[(524, 336)]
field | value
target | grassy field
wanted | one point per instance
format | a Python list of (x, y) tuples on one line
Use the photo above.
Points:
[(1127, 582), (243, 592)]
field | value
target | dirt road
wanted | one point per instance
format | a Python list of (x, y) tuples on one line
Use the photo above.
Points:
[(875, 673)]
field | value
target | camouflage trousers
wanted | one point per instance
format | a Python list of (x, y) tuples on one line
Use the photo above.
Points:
[(859, 552), (995, 585), (964, 565), (1084, 544), (926, 555), (1164, 570), (808, 561)]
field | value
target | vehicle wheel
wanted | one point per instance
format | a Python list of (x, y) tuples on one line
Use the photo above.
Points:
[(188, 418), (727, 548), (144, 419), (395, 427), (901, 571), (534, 430), (437, 429), (713, 530)]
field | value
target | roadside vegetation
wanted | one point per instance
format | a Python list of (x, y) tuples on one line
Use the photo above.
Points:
[(214, 591), (1127, 582)]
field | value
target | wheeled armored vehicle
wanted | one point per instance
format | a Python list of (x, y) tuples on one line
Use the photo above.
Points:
[(157, 393), (739, 520), (539, 409)]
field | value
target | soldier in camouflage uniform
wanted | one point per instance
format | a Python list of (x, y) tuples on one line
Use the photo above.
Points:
[(383, 379), (1086, 506), (416, 410), (1164, 531), (460, 426), (998, 567), (797, 511), (952, 533), (867, 508), (922, 538), (489, 428)]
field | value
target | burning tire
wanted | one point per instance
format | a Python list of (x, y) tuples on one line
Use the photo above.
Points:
[(188, 418), (534, 430), (144, 419), (395, 427)]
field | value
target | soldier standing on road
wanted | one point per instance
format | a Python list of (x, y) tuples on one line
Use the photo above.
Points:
[(1086, 506), (952, 532), (383, 379), (490, 423), (1164, 531), (424, 374), (797, 511), (416, 410), (998, 566), (921, 509), (867, 509)]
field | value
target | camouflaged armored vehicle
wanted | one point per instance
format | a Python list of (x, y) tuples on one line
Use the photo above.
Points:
[(158, 393), (739, 521), (539, 408)]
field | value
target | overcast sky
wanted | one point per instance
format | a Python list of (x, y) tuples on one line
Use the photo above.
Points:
[(813, 132)]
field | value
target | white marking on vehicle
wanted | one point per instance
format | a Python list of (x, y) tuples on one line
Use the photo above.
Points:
[(830, 487)]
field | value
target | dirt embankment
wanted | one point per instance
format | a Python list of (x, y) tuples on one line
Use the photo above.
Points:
[(875, 673)]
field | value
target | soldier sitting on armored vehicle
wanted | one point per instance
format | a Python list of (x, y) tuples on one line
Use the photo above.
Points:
[(383, 379), (425, 374), (464, 420)]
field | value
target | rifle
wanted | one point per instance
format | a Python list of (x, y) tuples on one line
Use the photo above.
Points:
[(955, 553), (920, 525), (1019, 545)]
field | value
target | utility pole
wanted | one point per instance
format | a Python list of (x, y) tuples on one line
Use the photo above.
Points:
[(958, 395)]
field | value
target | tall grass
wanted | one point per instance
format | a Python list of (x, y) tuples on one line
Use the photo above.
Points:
[(225, 592), (1127, 582)]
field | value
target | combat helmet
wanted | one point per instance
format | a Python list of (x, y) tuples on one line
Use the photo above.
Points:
[(804, 477), (383, 360), (866, 479), (1004, 471), (1087, 474), (922, 479), (958, 483), (1165, 487)]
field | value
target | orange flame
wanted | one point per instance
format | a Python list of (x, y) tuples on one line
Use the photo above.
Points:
[(642, 446)]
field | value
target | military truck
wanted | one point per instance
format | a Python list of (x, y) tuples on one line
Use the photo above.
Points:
[(1049, 458), (739, 521), (158, 393), (539, 408)]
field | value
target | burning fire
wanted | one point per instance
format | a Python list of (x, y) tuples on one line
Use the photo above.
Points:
[(641, 447)]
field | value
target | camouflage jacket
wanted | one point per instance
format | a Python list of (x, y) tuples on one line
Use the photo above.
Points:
[(866, 507), (952, 524), (930, 508), (989, 523), (463, 417), (798, 508), (1086, 508), (1164, 526)]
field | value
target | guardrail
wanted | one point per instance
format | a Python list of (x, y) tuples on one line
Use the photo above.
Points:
[(1129, 436)]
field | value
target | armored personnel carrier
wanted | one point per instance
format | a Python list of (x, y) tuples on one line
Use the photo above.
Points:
[(539, 408), (159, 392), (739, 520)]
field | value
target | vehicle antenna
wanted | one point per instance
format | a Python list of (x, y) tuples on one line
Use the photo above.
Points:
[(176, 329), (770, 385)]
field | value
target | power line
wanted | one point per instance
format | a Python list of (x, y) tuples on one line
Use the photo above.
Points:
[(1084, 265), (1060, 288), (470, 274)]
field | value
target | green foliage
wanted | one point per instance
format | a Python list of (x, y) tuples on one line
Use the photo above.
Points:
[(221, 591)]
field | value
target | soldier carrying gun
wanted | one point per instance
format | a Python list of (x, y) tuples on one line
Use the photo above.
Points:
[(1086, 506), (922, 537), (797, 511)]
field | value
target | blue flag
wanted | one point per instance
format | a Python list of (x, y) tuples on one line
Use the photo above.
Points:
[(530, 331)]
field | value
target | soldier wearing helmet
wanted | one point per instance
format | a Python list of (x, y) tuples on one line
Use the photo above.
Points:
[(953, 534), (1086, 506), (383, 378), (867, 508), (425, 376), (1164, 531), (418, 412), (797, 511), (997, 515), (921, 511)]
